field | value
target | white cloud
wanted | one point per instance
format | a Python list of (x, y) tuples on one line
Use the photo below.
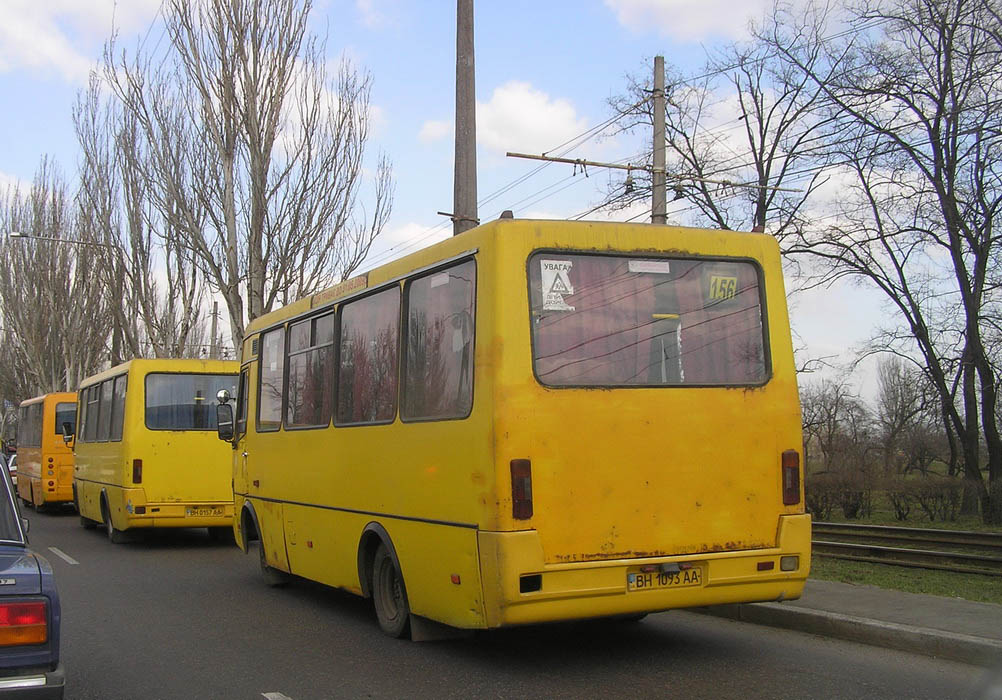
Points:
[(434, 131), (65, 36), (378, 14), (688, 20), (520, 118)]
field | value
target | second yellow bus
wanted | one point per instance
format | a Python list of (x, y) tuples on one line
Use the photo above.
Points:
[(146, 449)]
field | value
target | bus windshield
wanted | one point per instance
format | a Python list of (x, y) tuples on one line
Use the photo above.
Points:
[(604, 320), (66, 413), (184, 401)]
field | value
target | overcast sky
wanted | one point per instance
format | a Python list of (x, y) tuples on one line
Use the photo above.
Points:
[(545, 70)]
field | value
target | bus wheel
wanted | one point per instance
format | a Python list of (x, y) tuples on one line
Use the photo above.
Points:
[(389, 596), (114, 534), (272, 576)]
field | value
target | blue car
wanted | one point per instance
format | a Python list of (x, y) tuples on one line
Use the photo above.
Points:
[(29, 611)]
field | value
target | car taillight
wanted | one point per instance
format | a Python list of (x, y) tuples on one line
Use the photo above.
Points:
[(137, 471), (791, 477), (521, 489), (23, 623)]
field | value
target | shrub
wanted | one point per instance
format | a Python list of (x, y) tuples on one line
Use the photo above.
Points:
[(939, 497)]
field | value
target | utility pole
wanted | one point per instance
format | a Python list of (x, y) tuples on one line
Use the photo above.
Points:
[(659, 198), (464, 207), (213, 344)]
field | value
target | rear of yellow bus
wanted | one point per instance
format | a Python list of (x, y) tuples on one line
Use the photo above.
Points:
[(178, 473), (647, 427)]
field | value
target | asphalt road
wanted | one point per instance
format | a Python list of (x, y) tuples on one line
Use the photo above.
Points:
[(176, 615)]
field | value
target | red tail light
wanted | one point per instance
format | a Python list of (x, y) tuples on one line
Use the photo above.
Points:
[(521, 489), (791, 477), (137, 471), (23, 623)]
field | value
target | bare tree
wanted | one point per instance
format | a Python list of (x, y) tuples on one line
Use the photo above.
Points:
[(836, 425), (154, 289), (51, 300), (912, 98), (253, 152), (766, 132)]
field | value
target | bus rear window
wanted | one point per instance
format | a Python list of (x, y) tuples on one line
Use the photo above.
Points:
[(184, 401), (601, 320)]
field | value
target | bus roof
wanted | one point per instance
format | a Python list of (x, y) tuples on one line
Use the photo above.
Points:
[(593, 235), (165, 365), (54, 395)]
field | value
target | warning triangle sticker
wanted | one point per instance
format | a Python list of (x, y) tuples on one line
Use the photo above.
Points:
[(559, 286)]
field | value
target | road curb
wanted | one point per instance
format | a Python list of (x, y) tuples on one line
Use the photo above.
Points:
[(921, 640)]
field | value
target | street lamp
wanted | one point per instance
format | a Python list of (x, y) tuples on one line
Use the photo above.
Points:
[(19, 235)]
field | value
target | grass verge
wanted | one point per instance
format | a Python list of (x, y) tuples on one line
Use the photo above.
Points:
[(985, 589)]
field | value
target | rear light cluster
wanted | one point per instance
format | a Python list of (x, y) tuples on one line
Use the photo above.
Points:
[(137, 471), (791, 477), (521, 489), (24, 623)]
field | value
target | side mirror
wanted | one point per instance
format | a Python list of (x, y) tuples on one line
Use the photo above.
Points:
[(223, 396), (25, 525), (67, 432), (224, 421)]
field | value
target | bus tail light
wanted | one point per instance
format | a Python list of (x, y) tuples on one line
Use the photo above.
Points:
[(137, 471), (521, 489), (791, 477), (23, 623)]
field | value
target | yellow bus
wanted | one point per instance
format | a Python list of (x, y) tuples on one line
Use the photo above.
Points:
[(146, 448), (45, 461), (531, 421)]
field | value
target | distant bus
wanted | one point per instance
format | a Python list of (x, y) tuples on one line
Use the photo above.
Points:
[(531, 421), (45, 461), (146, 448)]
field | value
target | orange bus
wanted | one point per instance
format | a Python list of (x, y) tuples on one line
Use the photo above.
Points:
[(45, 461)]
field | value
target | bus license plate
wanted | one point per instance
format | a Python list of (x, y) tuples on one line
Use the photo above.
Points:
[(203, 512), (643, 581)]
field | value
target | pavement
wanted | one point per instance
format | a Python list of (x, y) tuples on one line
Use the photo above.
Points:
[(948, 628)]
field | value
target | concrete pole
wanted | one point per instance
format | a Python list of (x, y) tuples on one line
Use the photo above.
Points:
[(659, 197), (464, 208), (213, 344)]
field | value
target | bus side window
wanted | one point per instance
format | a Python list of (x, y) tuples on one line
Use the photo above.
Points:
[(310, 391), (104, 420), (81, 414), (271, 375), (92, 412), (242, 403), (118, 407), (370, 348), (438, 357)]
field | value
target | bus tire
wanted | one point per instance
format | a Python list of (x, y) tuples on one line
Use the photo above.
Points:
[(389, 595), (272, 576), (115, 536)]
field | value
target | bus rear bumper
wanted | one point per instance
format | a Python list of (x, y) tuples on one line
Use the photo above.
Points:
[(531, 591), (141, 514)]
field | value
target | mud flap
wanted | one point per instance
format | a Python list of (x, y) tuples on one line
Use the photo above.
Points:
[(425, 630)]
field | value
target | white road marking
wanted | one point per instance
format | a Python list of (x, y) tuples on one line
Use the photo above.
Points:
[(65, 557), (276, 696)]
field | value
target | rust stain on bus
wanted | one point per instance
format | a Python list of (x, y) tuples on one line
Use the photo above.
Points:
[(637, 554)]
